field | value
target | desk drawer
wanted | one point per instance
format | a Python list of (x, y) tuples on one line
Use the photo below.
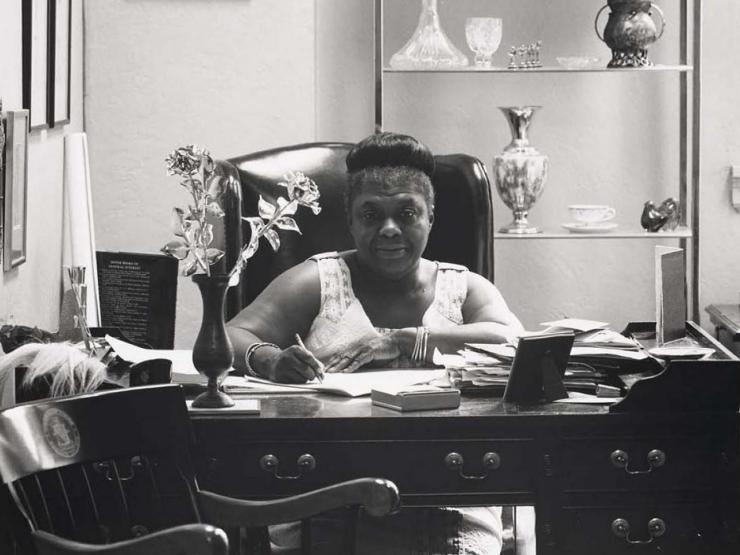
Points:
[(415, 466), (674, 529), (639, 463)]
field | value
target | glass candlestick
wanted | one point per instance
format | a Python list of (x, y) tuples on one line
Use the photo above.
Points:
[(429, 47)]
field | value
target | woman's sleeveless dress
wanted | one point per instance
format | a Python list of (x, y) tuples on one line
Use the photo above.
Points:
[(342, 321)]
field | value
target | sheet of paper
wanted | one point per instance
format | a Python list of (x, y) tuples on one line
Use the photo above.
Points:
[(238, 385), (448, 360), (358, 384), (576, 324), (584, 398), (670, 294), (183, 370)]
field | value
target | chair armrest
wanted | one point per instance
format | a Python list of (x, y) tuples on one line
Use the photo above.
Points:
[(193, 539), (378, 496)]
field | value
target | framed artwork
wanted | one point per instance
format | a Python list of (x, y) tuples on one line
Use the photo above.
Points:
[(60, 16), (14, 198), (36, 62)]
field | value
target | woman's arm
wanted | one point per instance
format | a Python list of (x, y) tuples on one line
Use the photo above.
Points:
[(287, 306), (486, 317)]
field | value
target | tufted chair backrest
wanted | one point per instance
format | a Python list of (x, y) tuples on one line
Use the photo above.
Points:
[(462, 231)]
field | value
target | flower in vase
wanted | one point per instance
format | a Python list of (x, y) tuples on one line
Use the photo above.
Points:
[(192, 227)]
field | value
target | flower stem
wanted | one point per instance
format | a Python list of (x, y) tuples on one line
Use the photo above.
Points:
[(270, 223)]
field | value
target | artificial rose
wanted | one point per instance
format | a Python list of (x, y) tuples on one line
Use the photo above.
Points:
[(187, 160)]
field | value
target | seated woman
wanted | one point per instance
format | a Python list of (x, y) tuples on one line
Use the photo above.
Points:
[(381, 304), (364, 306)]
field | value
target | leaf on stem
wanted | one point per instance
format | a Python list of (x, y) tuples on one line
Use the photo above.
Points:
[(273, 238), (177, 248), (177, 222), (214, 255), (215, 210), (287, 223), (265, 209), (287, 208), (190, 268)]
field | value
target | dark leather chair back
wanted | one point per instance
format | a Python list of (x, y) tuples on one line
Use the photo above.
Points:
[(462, 231)]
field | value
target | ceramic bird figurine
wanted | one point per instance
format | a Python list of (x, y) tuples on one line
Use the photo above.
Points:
[(663, 217)]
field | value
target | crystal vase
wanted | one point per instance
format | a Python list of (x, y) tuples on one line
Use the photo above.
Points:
[(520, 171), (213, 354), (429, 47)]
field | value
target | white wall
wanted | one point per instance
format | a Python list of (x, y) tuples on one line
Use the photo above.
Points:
[(237, 76), (232, 76), (30, 293)]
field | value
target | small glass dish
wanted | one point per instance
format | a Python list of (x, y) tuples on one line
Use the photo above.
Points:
[(577, 62)]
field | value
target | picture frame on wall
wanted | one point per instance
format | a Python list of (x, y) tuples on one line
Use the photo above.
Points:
[(36, 56), (60, 16), (15, 188)]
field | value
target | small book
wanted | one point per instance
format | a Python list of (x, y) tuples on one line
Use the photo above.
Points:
[(416, 397)]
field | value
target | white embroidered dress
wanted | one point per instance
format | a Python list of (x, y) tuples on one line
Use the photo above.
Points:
[(342, 320)]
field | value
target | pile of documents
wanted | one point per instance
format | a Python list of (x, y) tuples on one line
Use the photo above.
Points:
[(596, 350)]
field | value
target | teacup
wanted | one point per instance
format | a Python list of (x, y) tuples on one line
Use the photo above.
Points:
[(589, 214)]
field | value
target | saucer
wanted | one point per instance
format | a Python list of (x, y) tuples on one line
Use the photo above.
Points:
[(599, 227)]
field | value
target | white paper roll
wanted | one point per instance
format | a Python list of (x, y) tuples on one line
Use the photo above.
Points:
[(79, 232)]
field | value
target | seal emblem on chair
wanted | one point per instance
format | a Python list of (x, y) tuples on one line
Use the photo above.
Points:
[(61, 433)]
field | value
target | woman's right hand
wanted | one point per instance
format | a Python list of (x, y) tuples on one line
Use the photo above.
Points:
[(293, 365)]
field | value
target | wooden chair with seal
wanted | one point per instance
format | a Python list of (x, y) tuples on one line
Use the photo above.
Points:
[(110, 472)]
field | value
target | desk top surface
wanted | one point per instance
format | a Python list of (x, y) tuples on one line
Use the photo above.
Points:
[(317, 405)]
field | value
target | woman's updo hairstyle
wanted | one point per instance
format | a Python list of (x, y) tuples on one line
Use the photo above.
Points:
[(389, 158)]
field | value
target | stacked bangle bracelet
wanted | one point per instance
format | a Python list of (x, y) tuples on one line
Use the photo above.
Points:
[(419, 354), (248, 356)]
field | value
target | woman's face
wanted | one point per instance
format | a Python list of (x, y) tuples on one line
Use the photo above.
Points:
[(390, 223)]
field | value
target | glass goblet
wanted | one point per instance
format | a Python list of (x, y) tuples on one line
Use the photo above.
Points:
[(484, 37)]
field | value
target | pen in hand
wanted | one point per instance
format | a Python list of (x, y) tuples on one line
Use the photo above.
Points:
[(299, 341)]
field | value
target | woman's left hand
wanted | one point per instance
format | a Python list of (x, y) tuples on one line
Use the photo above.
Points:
[(364, 351)]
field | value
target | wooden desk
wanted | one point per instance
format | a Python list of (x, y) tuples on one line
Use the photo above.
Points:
[(564, 459), (726, 321)]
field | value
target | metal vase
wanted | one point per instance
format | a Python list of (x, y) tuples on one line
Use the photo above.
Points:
[(629, 30), (213, 354), (520, 171)]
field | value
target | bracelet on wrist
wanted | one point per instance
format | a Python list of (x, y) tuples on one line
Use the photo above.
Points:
[(248, 356), (419, 353)]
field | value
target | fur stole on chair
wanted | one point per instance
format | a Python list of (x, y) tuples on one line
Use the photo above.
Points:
[(66, 368)]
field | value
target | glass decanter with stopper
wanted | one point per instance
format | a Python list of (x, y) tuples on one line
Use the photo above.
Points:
[(429, 47)]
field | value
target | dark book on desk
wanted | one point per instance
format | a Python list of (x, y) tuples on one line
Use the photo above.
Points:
[(416, 397), (138, 293)]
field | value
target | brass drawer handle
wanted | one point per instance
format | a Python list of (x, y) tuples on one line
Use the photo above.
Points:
[(620, 459), (621, 529), (454, 461), (270, 463)]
